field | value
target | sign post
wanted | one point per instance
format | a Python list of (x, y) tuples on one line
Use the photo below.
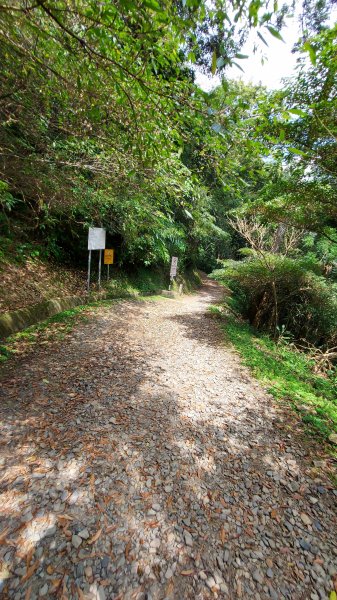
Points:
[(89, 269), (108, 258), (173, 269), (96, 241), (99, 269)]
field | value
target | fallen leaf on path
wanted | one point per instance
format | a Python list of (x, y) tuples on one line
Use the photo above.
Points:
[(28, 593), (29, 557), (108, 499), (64, 595), (127, 549), (153, 524), (189, 572), (110, 529), (81, 596), (55, 584), (30, 571), (95, 537), (169, 589), (223, 535), (275, 515), (4, 534)]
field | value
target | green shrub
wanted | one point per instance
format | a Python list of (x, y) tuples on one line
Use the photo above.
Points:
[(277, 293)]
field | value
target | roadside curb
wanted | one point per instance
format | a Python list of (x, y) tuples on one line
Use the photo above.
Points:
[(14, 321)]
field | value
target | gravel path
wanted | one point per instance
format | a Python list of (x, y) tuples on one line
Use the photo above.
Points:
[(141, 461)]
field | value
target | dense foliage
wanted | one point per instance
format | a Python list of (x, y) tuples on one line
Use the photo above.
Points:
[(98, 104), (284, 278)]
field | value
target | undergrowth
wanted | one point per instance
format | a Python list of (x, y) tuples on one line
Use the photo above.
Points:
[(144, 282), (287, 374)]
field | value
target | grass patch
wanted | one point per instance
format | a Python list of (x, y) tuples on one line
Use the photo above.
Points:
[(53, 329), (288, 375)]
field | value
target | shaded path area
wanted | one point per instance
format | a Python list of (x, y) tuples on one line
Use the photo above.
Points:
[(140, 460)]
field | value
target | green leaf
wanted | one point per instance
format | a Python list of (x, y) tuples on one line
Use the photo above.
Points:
[(333, 595), (298, 111), (262, 38), (312, 52), (220, 62), (152, 4), (253, 11), (238, 66), (275, 33), (241, 56), (213, 62), (296, 151)]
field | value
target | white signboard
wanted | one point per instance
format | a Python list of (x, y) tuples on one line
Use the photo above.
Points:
[(174, 263), (96, 238)]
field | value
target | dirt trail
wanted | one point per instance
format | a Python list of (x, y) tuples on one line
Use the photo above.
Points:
[(141, 461)]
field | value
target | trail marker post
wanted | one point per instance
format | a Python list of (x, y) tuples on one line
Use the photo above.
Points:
[(96, 241), (173, 269)]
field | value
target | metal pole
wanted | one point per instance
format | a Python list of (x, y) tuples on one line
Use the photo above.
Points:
[(99, 269), (108, 272), (89, 269)]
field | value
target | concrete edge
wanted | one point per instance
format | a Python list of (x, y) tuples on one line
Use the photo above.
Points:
[(14, 321)]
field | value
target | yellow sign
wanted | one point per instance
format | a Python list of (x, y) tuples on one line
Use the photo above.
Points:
[(108, 257)]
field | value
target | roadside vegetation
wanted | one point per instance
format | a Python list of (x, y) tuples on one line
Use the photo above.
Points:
[(288, 374)]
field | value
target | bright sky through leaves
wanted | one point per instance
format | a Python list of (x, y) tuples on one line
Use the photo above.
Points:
[(267, 66)]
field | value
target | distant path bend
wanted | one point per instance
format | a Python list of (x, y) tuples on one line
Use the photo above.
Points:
[(140, 460)]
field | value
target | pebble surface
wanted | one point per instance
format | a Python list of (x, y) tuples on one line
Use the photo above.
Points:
[(140, 461)]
